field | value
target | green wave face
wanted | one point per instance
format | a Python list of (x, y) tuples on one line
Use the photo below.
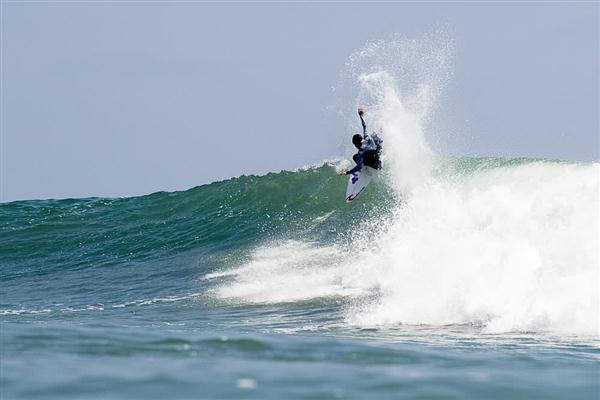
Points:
[(44, 235), (307, 204)]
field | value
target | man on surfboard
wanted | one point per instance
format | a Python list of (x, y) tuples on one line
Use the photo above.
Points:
[(369, 148)]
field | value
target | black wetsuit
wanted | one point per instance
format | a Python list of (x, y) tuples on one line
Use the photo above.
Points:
[(369, 151)]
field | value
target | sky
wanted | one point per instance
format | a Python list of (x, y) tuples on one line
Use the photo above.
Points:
[(129, 98)]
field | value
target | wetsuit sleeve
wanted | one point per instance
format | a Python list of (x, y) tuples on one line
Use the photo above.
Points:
[(364, 125), (357, 167)]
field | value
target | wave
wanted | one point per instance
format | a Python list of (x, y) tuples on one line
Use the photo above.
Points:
[(506, 244), (75, 233), (511, 245)]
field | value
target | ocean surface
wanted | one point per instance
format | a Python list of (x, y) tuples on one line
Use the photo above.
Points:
[(480, 283), (448, 278)]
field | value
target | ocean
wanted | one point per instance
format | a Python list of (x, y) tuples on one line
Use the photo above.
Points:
[(482, 284), (448, 278)]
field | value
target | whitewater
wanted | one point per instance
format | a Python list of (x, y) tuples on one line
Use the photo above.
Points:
[(450, 277), (508, 245)]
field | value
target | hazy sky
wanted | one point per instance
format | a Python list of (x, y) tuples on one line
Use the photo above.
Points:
[(124, 98)]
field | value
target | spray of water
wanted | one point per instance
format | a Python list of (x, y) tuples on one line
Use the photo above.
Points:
[(513, 248), (399, 82), (508, 245)]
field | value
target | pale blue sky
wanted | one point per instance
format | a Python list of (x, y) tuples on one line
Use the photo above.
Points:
[(115, 99)]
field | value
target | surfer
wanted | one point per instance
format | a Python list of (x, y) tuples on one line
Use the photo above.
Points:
[(369, 148)]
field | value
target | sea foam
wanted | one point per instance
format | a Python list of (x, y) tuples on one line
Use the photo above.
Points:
[(510, 245)]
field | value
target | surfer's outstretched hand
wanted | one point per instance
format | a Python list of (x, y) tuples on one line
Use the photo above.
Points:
[(342, 173)]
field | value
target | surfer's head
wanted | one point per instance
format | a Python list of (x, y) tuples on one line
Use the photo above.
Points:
[(357, 140)]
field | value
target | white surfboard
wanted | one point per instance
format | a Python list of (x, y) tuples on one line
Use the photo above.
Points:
[(357, 183)]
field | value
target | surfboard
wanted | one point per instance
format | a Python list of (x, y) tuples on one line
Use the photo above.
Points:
[(357, 183)]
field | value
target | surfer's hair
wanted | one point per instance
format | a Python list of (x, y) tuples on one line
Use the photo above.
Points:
[(357, 140)]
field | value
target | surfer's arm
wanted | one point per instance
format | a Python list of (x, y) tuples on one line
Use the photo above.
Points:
[(362, 121), (357, 167)]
